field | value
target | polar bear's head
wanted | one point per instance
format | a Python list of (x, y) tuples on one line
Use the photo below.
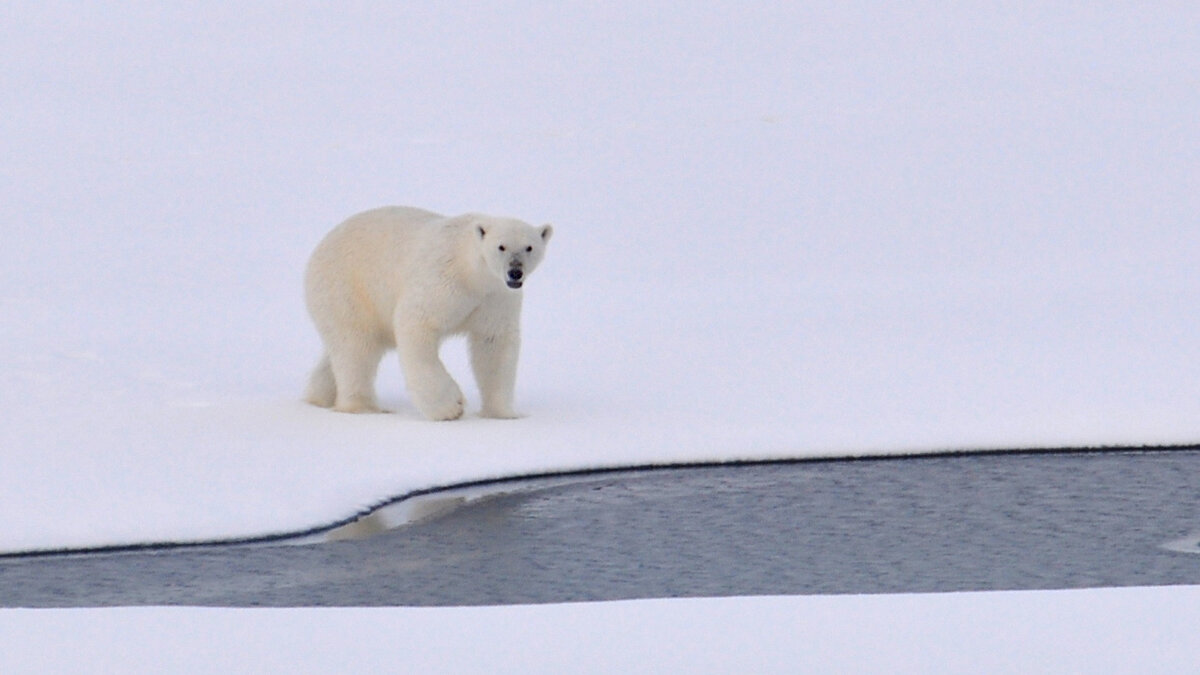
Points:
[(510, 248)]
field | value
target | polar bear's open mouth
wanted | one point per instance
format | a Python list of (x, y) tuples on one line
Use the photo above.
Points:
[(514, 284)]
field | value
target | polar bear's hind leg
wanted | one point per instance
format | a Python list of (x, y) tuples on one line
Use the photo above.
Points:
[(354, 367), (322, 391)]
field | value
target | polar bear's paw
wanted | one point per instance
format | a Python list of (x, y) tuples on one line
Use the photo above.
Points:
[(445, 412), (448, 406)]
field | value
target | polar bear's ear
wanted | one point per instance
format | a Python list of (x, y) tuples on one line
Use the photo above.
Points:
[(547, 230), (480, 231)]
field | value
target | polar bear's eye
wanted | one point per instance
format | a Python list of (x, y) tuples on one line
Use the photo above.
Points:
[(529, 249), (502, 248)]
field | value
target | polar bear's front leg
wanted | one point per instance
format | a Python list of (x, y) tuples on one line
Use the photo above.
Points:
[(494, 360), (432, 389)]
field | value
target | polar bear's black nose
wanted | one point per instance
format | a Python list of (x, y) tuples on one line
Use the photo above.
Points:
[(515, 274)]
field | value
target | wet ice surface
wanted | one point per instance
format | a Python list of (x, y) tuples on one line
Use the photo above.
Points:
[(868, 526)]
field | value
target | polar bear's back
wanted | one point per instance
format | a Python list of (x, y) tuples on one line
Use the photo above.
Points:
[(356, 272), (389, 225), (395, 216)]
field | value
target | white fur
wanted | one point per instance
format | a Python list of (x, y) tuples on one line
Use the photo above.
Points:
[(404, 278)]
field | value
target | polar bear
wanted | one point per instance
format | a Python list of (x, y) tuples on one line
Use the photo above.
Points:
[(405, 278)]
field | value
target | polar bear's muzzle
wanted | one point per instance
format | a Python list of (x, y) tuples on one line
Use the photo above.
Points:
[(516, 277)]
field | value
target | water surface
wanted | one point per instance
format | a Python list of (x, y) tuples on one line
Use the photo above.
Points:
[(955, 523)]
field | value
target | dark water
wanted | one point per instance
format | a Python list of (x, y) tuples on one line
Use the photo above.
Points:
[(867, 526)]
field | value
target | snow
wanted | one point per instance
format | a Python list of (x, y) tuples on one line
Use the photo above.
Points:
[(791, 230), (1108, 630), (781, 232)]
